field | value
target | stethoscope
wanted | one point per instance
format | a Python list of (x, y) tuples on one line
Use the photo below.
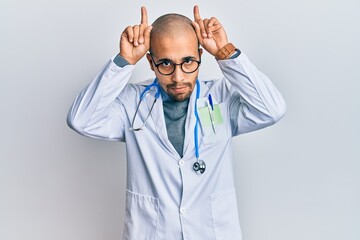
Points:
[(142, 95), (199, 166)]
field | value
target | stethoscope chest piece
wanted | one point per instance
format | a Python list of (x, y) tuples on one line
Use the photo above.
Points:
[(199, 166)]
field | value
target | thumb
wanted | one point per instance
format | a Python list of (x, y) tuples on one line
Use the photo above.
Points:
[(147, 35)]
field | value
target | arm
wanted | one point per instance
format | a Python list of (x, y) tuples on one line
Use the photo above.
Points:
[(255, 102), (97, 111)]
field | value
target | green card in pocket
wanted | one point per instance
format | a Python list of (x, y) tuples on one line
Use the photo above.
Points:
[(204, 114)]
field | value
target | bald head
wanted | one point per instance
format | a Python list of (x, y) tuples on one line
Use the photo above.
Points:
[(171, 25)]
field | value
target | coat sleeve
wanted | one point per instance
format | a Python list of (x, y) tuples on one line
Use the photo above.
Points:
[(96, 111), (255, 102)]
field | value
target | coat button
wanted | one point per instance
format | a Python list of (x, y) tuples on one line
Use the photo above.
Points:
[(182, 210), (181, 163)]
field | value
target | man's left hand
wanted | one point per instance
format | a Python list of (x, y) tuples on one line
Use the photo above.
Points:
[(210, 32)]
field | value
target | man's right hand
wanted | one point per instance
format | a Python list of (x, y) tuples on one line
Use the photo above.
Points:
[(135, 40)]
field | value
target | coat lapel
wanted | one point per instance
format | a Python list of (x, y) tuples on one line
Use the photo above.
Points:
[(157, 115)]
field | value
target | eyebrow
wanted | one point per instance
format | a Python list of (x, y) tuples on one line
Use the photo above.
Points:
[(184, 58)]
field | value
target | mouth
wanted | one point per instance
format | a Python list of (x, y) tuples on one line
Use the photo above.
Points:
[(179, 89)]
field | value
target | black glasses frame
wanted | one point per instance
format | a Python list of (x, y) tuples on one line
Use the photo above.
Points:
[(175, 64)]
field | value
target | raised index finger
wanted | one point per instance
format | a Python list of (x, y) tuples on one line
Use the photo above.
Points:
[(144, 17), (196, 13)]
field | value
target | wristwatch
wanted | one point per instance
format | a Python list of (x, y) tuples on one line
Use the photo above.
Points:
[(226, 51)]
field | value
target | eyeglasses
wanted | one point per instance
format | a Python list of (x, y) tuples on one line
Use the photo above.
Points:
[(167, 67)]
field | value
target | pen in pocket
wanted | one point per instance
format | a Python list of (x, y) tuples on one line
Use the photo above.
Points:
[(210, 105)]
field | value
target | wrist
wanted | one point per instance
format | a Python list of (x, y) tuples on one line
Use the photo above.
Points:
[(225, 52), (120, 61), (128, 59)]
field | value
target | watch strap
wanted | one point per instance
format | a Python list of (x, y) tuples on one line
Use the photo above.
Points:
[(226, 51)]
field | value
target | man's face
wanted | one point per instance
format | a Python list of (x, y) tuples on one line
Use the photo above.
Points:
[(169, 49)]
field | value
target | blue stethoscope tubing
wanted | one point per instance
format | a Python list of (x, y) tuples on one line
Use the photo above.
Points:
[(199, 165), (153, 84), (142, 95), (196, 132)]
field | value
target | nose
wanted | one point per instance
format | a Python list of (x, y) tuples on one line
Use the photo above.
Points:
[(178, 74)]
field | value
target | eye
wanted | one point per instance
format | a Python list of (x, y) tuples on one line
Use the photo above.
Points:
[(188, 61), (165, 63)]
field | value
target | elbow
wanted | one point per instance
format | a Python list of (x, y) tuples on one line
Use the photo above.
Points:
[(73, 124), (279, 111), (70, 122)]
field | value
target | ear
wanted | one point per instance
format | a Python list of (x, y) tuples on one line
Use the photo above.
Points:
[(150, 61)]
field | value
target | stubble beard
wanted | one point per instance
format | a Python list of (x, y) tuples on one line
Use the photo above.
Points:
[(180, 97)]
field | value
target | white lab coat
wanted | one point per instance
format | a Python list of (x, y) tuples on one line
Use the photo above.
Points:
[(165, 198)]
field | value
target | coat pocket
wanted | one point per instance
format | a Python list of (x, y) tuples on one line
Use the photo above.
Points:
[(225, 216), (212, 124), (141, 217)]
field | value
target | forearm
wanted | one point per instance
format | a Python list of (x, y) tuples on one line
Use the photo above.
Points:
[(92, 107), (258, 99)]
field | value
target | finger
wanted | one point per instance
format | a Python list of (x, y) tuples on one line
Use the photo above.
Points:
[(214, 25), (202, 28), (197, 31), (147, 36), (142, 28), (129, 34), (144, 16), (213, 21), (206, 27), (198, 19), (196, 13), (136, 35)]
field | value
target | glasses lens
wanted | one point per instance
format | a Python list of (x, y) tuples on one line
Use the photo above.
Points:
[(189, 66), (166, 69)]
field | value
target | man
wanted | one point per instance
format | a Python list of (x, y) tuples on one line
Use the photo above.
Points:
[(177, 128)]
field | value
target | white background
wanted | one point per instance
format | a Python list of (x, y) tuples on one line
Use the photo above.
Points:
[(298, 180)]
